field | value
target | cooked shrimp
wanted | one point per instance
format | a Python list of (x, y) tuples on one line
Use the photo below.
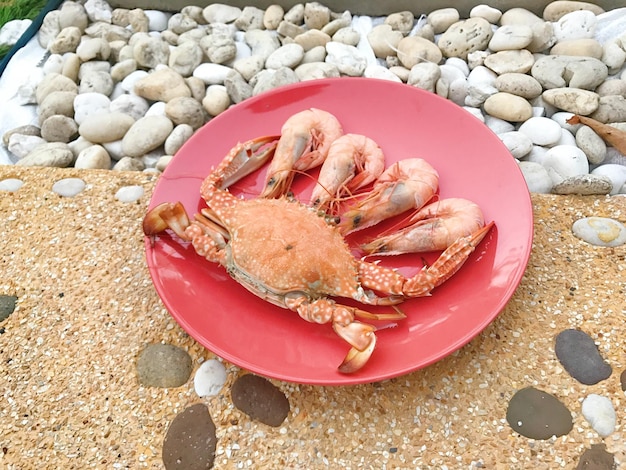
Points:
[(305, 139), (353, 162), (407, 184), (434, 227)]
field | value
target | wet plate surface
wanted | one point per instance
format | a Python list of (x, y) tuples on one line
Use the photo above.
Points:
[(406, 122)]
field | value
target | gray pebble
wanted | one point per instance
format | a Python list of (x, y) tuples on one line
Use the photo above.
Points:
[(7, 306), (580, 357), (11, 184), (538, 415), (68, 187), (129, 193), (163, 365)]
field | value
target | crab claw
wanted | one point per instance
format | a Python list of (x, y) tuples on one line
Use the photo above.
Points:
[(166, 215), (356, 359), (362, 339), (242, 160)]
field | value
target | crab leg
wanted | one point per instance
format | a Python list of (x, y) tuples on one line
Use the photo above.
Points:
[(393, 283)]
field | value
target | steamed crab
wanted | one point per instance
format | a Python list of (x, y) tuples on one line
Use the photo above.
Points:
[(271, 245)]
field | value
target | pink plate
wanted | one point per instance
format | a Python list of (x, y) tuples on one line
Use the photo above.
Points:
[(406, 122)]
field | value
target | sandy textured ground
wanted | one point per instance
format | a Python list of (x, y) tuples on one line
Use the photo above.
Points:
[(87, 306)]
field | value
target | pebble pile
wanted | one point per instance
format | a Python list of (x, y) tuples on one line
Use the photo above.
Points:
[(124, 89)]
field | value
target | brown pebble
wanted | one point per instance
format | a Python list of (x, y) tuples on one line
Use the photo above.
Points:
[(622, 379), (596, 458), (190, 441), (260, 399)]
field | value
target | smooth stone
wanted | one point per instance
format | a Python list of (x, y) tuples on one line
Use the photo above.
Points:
[(442, 18), (164, 366), (536, 414), (508, 107), (209, 378), (536, 176), (316, 15), (600, 231), (584, 185), (600, 413), (93, 157), (129, 164), (221, 13), (93, 49), (54, 82), (348, 59), (564, 161), (465, 36), (498, 126), (262, 42), (567, 138), (596, 457), (133, 105), (579, 48), (615, 172), (186, 110), (260, 399), (96, 82), (73, 14), (555, 10), (487, 12), (415, 49), (57, 102), (273, 16), (269, 79), (129, 193), (573, 100), (87, 104), (12, 30), (580, 24), (313, 38), (384, 40), (622, 379), (592, 144), (190, 440), (10, 185), (54, 154), (69, 187), (59, 128), (610, 109), (105, 127), (289, 55), (556, 71), (519, 84), (163, 161), (146, 134), (248, 67), (7, 303), (212, 74), (612, 87), (381, 73), (579, 355), (21, 145), (510, 61), (49, 29), (128, 82), (216, 100), (511, 37), (315, 70), (518, 143), (27, 130), (98, 10), (163, 85), (541, 130), (179, 135), (614, 57)]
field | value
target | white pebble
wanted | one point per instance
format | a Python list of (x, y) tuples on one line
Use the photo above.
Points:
[(210, 378), (129, 193), (68, 187), (616, 173), (10, 184), (600, 231), (536, 177), (541, 130), (563, 161), (599, 412), (157, 20)]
